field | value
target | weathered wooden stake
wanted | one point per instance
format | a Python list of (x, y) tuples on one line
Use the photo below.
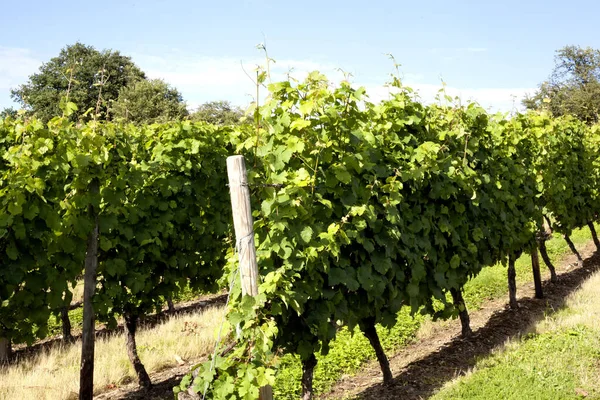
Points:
[(244, 234), (86, 371)]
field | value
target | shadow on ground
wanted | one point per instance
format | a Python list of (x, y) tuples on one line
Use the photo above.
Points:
[(161, 390), (422, 378)]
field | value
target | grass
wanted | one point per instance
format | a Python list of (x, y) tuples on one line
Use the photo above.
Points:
[(76, 315), (560, 359), (54, 373)]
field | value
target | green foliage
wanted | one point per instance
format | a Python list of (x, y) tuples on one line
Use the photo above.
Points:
[(363, 213), (573, 88), (218, 113), (567, 175), (363, 209), (163, 216), (37, 247), (349, 352), (84, 73), (148, 101), (9, 112), (221, 378)]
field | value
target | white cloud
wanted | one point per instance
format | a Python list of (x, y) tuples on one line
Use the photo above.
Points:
[(203, 79), (492, 99), (476, 49), (454, 50)]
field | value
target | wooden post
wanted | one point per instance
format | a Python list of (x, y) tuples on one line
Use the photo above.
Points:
[(244, 234), (88, 336)]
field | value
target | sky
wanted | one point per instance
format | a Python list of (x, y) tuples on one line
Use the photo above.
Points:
[(492, 52)]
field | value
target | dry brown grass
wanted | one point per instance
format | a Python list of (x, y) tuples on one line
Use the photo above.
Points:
[(582, 307), (54, 373), (77, 292)]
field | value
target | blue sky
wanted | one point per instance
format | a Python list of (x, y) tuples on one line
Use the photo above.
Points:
[(486, 51)]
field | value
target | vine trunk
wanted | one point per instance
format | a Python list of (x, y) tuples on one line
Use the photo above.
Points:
[(463, 314), (131, 321), (370, 332)]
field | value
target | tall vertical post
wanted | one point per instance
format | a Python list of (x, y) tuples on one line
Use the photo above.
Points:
[(244, 234), (88, 336)]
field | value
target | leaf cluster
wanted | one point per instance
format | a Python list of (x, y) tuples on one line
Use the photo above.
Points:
[(162, 212), (362, 209)]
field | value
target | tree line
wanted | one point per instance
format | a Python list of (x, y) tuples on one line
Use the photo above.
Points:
[(114, 87), (109, 86)]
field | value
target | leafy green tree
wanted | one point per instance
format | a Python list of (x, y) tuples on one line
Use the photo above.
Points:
[(90, 77), (218, 113), (8, 112), (573, 87), (149, 101)]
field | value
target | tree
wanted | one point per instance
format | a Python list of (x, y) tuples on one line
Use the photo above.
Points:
[(573, 87), (218, 113), (91, 78), (9, 112), (149, 101)]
